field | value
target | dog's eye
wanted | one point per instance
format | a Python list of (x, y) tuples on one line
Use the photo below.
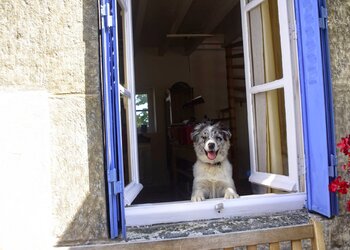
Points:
[(218, 138), (204, 138)]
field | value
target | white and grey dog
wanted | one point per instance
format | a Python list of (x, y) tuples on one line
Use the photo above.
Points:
[(212, 171)]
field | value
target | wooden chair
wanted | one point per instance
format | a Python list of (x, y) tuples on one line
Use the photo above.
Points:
[(293, 235)]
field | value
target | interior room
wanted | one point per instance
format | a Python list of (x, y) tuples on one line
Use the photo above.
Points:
[(189, 68)]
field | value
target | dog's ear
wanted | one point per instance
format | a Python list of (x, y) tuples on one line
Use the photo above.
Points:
[(227, 134), (196, 131)]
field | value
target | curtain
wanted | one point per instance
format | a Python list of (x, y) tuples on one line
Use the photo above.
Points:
[(273, 71)]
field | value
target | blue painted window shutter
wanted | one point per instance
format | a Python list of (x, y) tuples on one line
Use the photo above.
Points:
[(111, 113), (317, 110)]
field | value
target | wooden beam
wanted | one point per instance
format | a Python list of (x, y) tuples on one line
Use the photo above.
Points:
[(141, 11), (181, 13), (214, 20)]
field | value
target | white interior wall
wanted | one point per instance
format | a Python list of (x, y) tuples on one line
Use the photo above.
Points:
[(208, 76), (158, 73)]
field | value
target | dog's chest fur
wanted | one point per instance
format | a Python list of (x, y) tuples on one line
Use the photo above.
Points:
[(213, 173)]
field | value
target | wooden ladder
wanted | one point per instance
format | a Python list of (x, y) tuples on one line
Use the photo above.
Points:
[(235, 90)]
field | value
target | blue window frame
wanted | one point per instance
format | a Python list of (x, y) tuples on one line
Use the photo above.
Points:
[(317, 108), (111, 114)]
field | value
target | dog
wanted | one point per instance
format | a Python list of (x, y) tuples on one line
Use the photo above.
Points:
[(212, 171)]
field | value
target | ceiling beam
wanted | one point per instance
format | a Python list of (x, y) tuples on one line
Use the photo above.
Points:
[(180, 16), (214, 20), (141, 11)]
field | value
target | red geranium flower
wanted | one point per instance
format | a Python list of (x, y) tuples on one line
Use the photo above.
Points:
[(339, 185), (335, 184), (343, 187), (333, 187), (344, 145)]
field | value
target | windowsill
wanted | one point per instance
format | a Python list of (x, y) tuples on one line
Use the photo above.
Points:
[(216, 226), (249, 205), (190, 230)]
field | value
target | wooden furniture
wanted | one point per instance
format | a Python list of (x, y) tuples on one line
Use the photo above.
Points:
[(177, 96), (249, 239), (178, 108), (182, 152)]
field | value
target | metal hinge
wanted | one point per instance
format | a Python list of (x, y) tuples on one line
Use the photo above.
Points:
[(333, 165), (323, 17), (112, 178), (105, 14)]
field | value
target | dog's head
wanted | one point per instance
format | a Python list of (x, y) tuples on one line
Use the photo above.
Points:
[(211, 142)]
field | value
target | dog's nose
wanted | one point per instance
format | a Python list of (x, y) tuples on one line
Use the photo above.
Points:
[(211, 146)]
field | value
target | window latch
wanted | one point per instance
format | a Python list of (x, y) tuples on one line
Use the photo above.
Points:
[(219, 207)]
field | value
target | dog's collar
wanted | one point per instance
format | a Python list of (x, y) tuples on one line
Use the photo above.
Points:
[(213, 164)]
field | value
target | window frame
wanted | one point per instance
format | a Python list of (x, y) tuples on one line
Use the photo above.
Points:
[(181, 211), (178, 211), (134, 187), (146, 214), (288, 83)]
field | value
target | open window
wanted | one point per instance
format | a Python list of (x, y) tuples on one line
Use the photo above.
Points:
[(234, 62), (272, 95)]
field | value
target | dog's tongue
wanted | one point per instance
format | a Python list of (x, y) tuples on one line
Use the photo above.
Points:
[(211, 155)]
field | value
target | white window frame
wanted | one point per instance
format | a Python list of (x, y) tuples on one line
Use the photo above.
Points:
[(146, 214), (287, 82), (133, 188)]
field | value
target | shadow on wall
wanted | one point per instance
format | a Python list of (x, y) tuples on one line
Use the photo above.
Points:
[(90, 221)]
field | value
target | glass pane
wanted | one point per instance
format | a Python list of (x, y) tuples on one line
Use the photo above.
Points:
[(121, 46), (141, 102), (124, 106), (142, 119), (271, 137), (265, 43)]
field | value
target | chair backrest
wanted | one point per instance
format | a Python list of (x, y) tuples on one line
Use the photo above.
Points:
[(307, 235)]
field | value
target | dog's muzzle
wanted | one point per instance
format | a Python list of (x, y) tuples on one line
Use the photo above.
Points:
[(211, 151), (211, 154)]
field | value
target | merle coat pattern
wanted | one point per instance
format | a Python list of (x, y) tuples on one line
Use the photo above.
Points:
[(212, 171)]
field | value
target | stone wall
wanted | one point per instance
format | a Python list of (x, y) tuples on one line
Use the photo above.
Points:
[(50, 88)]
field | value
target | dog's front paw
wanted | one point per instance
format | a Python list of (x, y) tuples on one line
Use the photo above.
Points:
[(197, 197), (230, 194)]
